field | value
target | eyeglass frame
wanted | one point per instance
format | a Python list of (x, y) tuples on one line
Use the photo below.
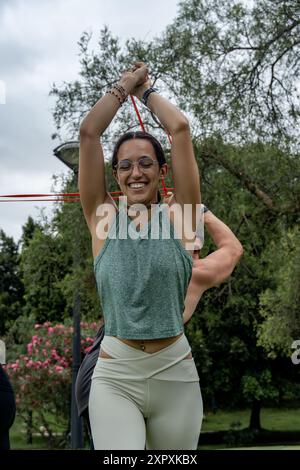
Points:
[(132, 164)]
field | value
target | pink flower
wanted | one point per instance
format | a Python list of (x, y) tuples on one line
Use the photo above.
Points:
[(35, 339)]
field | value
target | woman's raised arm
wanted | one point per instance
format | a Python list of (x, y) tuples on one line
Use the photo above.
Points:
[(91, 178), (184, 165)]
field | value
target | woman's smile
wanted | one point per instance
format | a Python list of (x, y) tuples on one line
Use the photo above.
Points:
[(137, 186)]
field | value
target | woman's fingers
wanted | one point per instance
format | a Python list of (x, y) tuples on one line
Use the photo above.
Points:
[(142, 74), (139, 64)]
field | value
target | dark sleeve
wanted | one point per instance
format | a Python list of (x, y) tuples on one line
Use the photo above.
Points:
[(83, 380)]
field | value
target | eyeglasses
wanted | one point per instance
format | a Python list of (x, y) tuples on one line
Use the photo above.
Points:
[(144, 164)]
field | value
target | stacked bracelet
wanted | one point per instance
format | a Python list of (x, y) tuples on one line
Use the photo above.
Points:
[(119, 92), (112, 92)]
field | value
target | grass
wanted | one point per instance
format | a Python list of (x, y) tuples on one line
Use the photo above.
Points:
[(18, 437), (273, 419)]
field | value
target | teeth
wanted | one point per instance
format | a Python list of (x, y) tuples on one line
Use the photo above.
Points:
[(137, 185)]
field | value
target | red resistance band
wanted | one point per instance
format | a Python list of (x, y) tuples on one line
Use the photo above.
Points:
[(67, 197), (55, 197)]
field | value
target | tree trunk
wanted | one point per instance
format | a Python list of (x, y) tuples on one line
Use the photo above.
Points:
[(255, 415), (29, 428)]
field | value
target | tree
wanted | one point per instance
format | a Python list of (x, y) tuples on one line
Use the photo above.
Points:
[(28, 230), (279, 304), (233, 65), (240, 64), (43, 270), (228, 316), (11, 287)]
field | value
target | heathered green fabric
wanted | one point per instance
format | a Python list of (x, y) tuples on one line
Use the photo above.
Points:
[(142, 282)]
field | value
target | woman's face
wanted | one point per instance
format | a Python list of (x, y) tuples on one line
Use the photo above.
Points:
[(139, 184)]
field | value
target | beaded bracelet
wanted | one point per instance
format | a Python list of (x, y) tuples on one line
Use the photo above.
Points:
[(122, 91), (112, 92)]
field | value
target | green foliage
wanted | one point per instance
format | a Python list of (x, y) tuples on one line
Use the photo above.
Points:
[(233, 66), (43, 268), (279, 306), (229, 316), (239, 63), (28, 231), (11, 287), (259, 387)]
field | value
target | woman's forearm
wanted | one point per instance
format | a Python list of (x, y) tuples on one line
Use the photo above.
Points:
[(103, 112), (100, 116), (171, 118)]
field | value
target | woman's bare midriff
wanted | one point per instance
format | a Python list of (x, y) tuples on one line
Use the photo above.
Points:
[(147, 345)]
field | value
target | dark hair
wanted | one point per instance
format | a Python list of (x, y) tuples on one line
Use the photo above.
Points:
[(159, 153)]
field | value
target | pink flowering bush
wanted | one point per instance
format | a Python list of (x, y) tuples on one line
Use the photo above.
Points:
[(42, 377)]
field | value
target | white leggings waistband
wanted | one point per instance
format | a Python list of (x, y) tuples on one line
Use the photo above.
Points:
[(130, 363)]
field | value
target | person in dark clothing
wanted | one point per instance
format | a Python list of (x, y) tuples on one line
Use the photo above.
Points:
[(7, 409)]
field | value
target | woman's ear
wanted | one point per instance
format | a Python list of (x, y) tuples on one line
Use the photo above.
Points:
[(163, 170)]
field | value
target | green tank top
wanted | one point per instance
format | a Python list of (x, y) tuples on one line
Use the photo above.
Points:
[(142, 279)]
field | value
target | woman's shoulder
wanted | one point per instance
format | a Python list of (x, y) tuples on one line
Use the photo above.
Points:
[(103, 219)]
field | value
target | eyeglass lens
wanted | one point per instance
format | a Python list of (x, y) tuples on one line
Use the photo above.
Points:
[(143, 162)]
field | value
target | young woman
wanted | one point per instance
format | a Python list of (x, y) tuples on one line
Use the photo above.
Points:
[(207, 272), (145, 388)]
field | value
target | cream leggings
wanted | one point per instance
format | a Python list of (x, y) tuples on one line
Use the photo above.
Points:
[(140, 400)]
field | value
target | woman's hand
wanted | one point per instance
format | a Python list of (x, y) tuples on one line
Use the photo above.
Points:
[(141, 87), (133, 78)]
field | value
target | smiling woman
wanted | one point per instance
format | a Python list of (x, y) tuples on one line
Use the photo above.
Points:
[(145, 387)]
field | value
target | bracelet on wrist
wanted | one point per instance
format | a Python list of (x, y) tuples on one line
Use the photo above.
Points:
[(146, 94), (119, 92), (112, 92), (122, 91)]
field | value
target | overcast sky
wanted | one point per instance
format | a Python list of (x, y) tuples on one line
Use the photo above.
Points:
[(38, 46)]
